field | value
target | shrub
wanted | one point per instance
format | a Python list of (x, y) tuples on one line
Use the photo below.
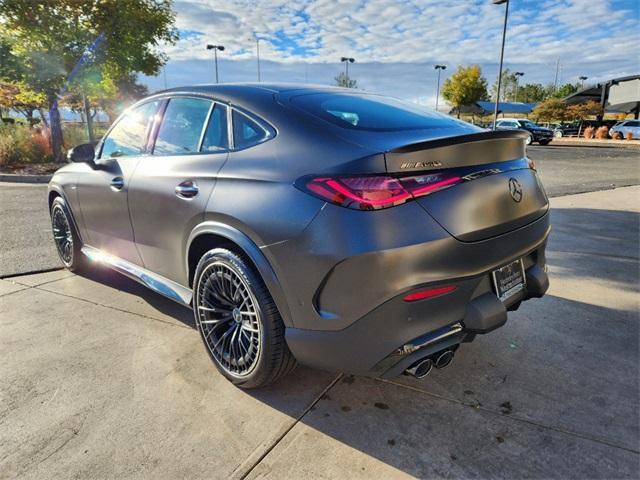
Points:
[(629, 136), (616, 136), (21, 144), (602, 132), (588, 132)]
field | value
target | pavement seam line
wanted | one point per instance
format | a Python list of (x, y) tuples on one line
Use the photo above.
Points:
[(287, 430), (26, 287), (597, 254), (44, 283), (112, 307), (30, 272), (512, 417)]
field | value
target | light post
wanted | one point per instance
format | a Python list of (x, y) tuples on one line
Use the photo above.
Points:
[(347, 61), (582, 78), (215, 49), (439, 68), (504, 35), (518, 75)]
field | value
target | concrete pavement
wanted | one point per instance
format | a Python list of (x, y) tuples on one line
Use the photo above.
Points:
[(101, 378)]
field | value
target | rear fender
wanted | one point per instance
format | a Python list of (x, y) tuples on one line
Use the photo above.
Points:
[(255, 255)]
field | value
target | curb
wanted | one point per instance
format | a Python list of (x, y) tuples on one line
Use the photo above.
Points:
[(14, 178)]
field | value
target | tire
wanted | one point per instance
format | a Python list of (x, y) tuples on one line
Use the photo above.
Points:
[(238, 321), (544, 142), (529, 140), (558, 134), (65, 236)]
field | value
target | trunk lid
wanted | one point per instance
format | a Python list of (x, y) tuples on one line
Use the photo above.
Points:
[(499, 192)]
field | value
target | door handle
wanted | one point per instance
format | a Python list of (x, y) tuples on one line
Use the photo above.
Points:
[(117, 183), (187, 189)]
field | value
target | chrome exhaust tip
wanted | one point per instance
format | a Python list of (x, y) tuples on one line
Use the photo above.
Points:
[(444, 359), (420, 369)]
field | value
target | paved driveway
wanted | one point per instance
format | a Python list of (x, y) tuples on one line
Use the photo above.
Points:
[(102, 379)]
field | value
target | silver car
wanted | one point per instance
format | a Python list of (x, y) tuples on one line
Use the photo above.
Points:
[(339, 229), (626, 127)]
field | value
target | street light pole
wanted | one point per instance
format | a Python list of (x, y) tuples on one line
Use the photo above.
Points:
[(439, 68), (258, 56), (504, 35), (582, 78), (518, 75), (347, 61), (215, 49)]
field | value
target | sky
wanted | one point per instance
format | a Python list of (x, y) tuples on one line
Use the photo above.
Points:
[(396, 43)]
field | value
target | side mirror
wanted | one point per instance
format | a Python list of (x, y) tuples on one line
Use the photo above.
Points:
[(84, 153)]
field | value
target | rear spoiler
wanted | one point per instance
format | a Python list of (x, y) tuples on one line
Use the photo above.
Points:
[(458, 151)]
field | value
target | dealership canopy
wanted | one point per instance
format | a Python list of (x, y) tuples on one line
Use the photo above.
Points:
[(617, 95)]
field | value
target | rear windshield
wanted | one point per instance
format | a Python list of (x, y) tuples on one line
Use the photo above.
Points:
[(371, 112)]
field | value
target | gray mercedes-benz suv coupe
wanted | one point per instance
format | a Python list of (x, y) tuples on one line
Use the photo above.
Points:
[(339, 229)]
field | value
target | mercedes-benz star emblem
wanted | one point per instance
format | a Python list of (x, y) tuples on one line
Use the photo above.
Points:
[(515, 189)]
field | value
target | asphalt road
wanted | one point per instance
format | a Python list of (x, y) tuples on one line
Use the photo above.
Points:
[(26, 243)]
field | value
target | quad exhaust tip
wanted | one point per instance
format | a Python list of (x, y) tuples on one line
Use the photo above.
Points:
[(420, 369), (444, 359)]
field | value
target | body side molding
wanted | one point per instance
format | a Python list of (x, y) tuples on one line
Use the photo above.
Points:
[(155, 282)]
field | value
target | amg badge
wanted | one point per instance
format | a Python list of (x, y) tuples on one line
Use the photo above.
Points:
[(433, 164)]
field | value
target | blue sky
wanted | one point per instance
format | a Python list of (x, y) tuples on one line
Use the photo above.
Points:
[(395, 43)]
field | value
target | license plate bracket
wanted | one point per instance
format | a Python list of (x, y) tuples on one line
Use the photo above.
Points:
[(509, 280)]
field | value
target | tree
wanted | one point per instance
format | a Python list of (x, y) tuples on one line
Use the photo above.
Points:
[(532, 93), (564, 90), (583, 110), (507, 87), (549, 110), (345, 81), (18, 97), (47, 39), (464, 87)]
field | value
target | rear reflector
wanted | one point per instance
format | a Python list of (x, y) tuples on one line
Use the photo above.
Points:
[(428, 293), (376, 192)]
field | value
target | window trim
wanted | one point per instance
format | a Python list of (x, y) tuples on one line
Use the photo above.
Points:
[(165, 104), (269, 133)]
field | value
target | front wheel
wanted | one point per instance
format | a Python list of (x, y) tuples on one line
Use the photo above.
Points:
[(65, 237), (544, 142), (238, 321), (529, 140), (558, 134)]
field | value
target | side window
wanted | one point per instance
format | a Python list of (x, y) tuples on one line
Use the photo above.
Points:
[(632, 123), (181, 126), (246, 132), (216, 137), (128, 137)]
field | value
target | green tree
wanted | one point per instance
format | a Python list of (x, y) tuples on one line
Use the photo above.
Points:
[(507, 87), (47, 39), (564, 90), (532, 93), (464, 87), (342, 80), (550, 110)]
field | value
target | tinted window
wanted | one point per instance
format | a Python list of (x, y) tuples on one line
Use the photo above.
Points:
[(632, 124), (128, 137), (182, 125), (371, 112), (246, 132), (529, 124), (216, 137)]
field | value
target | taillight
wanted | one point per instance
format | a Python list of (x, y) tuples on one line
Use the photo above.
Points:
[(428, 293), (376, 192)]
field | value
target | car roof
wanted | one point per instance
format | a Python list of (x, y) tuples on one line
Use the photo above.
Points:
[(252, 88)]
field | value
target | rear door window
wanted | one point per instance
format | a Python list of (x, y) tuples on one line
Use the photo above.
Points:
[(182, 125), (246, 132), (216, 138), (371, 112), (128, 137)]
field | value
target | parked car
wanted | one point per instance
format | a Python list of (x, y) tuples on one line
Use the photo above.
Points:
[(343, 230), (536, 133), (625, 127)]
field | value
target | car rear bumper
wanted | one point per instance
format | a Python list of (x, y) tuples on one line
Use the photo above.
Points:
[(392, 334)]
